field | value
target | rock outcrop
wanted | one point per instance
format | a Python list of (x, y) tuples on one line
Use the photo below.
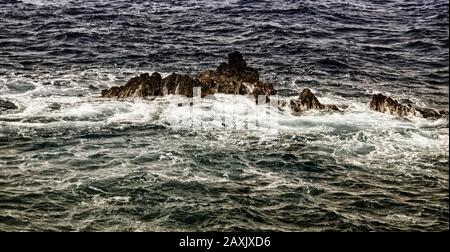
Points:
[(236, 77), (233, 77), (385, 104), (432, 113), (307, 101), (6, 105)]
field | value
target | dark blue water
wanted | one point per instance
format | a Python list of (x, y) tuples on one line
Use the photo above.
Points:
[(70, 160)]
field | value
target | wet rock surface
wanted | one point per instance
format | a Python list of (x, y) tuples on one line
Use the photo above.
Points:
[(6, 105), (140, 86), (431, 112), (236, 77), (384, 104), (233, 77), (308, 101)]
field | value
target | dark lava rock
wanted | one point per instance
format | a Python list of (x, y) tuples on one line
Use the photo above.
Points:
[(431, 112), (385, 104), (262, 89), (282, 103), (237, 69), (236, 62), (233, 77), (207, 82), (307, 101), (140, 86), (6, 105), (179, 84), (54, 106)]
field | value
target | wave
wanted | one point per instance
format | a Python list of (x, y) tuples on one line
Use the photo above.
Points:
[(355, 135)]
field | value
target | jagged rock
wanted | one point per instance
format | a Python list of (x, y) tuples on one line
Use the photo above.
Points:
[(6, 105), (431, 113), (263, 89), (307, 101), (332, 107), (208, 85), (234, 77), (140, 86), (54, 106), (237, 68), (169, 84), (282, 103), (385, 104), (112, 92)]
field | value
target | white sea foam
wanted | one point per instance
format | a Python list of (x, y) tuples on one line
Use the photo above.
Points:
[(357, 135)]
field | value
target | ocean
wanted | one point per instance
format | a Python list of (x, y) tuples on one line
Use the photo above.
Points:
[(73, 161)]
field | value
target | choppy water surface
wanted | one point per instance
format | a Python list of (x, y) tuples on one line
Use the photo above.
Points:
[(70, 160)]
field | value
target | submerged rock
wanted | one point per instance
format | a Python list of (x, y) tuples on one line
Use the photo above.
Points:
[(282, 104), (308, 101), (54, 106), (236, 77), (385, 104), (233, 77), (6, 105)]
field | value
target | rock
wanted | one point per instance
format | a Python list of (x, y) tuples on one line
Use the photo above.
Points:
[(332, 107), (238, 69), (179, 84), (236, 61), (307, 101), (112, 92), (385, 104), (282, 103), (226, 82), (54, 106), (263, 89), (169, 84), (92, 87), (6, 105), (234, 77), (207, 82), (443, 112), (431, 112), (140, 86)]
